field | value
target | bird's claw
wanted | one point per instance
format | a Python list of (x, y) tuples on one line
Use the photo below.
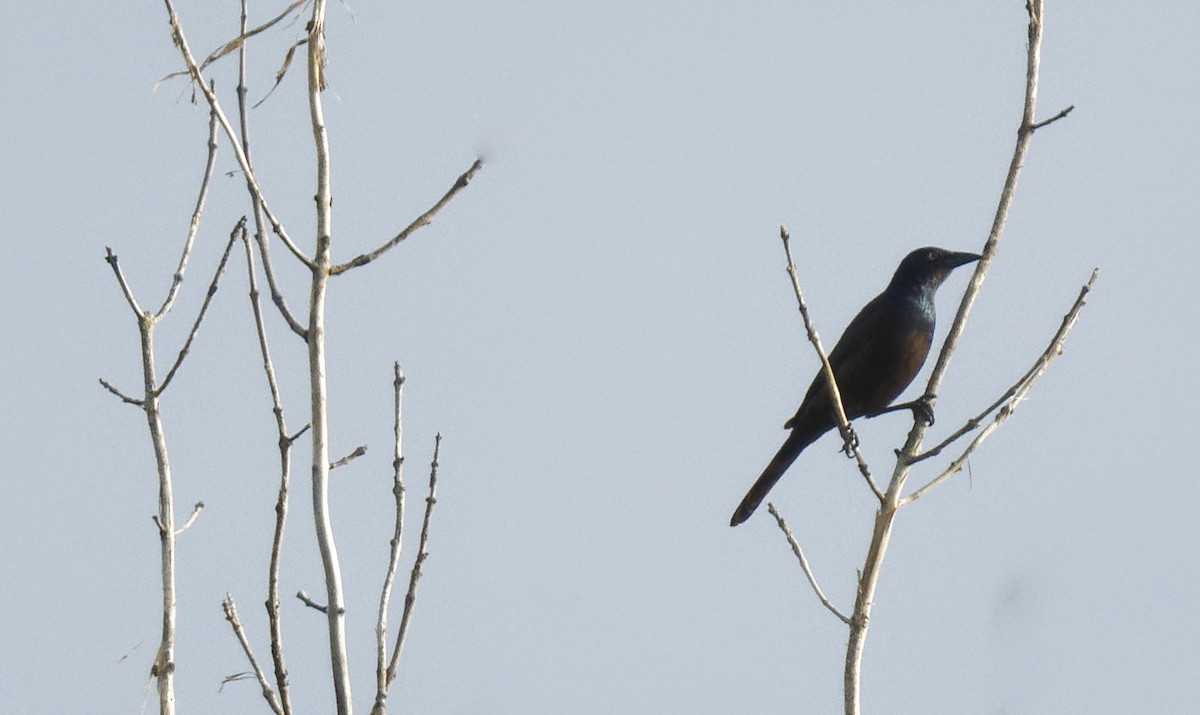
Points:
[(922, 408), (850, 443)]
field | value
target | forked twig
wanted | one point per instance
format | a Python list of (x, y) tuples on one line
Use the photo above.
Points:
[(410, 598), (212, 290), (231, 615), (1052, 351)]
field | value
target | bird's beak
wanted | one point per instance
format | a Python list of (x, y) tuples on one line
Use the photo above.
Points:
[(954, 260)]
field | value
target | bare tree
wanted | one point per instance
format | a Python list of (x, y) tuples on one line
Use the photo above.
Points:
[(893, 497)]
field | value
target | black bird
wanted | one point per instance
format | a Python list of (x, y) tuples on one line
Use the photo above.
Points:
[(878, 355)]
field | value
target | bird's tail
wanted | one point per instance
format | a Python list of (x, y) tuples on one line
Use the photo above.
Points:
[(792, 447)]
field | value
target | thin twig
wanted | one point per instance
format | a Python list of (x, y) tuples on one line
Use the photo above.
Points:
[(422, 220), (111, 258), (212, 290), (850, 441), (194, 224), (199, 507), (311, 603), (799, 552), (1038, 125), (973, 423), (1052, 351), (410, 598), (359, 451), (277, 297), (395, 545), (124, 398), (300, 433), (231, 615)]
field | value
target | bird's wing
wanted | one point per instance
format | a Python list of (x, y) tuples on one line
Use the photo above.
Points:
[(877, 356)]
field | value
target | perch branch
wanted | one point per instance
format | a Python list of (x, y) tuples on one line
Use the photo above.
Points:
[(850, 441)]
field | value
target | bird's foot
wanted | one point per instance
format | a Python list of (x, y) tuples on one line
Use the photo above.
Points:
[(922, 408), (850, 441)]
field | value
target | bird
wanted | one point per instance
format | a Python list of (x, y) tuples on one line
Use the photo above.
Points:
[(878, 356)]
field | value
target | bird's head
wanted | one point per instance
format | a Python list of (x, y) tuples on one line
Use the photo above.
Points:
[(926, 268)]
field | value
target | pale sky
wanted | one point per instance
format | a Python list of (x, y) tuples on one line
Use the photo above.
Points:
[(602, 329)]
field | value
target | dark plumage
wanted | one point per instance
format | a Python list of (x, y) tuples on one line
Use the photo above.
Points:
[(878, 355)]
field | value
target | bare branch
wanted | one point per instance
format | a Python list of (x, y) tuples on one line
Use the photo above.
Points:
[(359, 451), (885, 517), (395, 545), (300, 433), (311, 603), (973, 423), (1024, 136), (260, 234), (199, 507), (242, 159), (422, 220), (410, 598), (276, 294), (1052, 351), (812, 580), (1051, 120), (317, 356), (268, 692), (111, 258), (124, 398), (285, 457), (194, 225), (850, 440), (212, 290)]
